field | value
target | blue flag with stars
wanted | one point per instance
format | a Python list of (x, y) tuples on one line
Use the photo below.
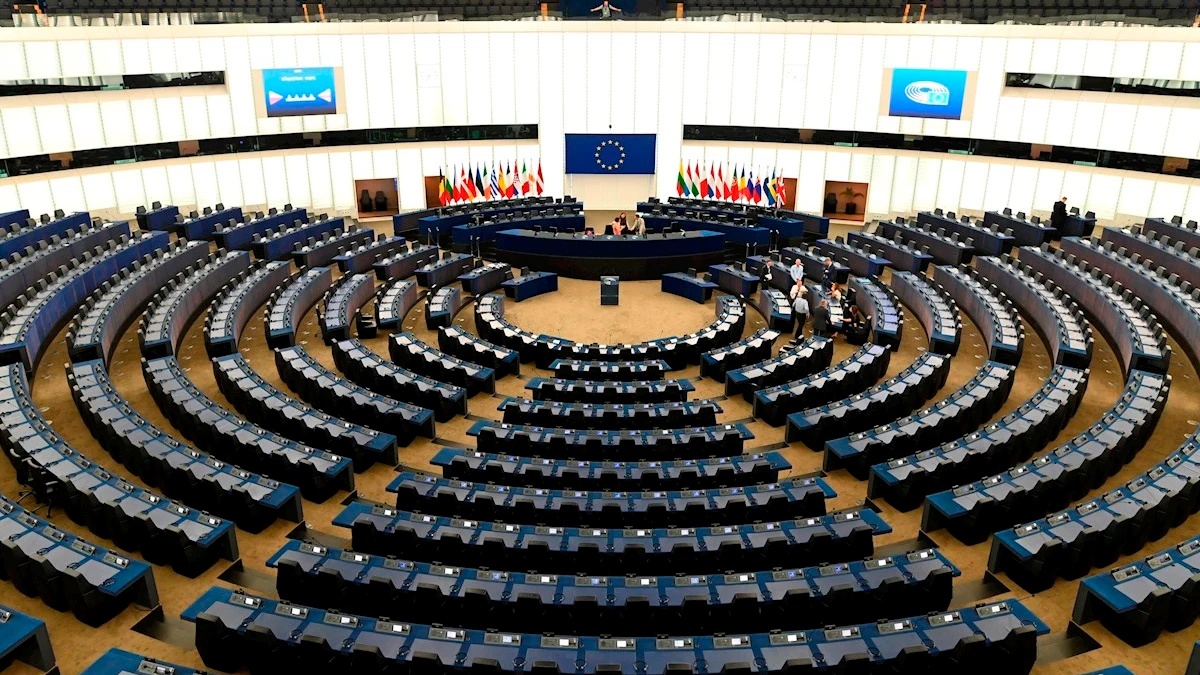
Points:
[(610, 153)]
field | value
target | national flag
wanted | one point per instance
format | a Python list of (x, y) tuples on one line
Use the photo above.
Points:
[(680, 182), (742, 192), (712, 180), (541, 182), (465, 192), (494, 185), (487, 187), (479, 191), (452, 181), (514, 185), (758, 191), (735, 187), (782, 190), (719, 182), (730, 193), (526, 184), (498, 181), (769, 189), (703, 184), (472, 195)]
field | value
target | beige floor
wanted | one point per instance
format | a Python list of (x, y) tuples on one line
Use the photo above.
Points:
[(575, 312)]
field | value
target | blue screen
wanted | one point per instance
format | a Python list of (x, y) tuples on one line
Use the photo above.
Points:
[(919, 92), (299, 91)]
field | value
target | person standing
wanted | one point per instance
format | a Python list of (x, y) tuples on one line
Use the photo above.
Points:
[(605, 10), (1058, 217), (820, 317), (796, 271), (827, 274), (799, 296), (639, 225)]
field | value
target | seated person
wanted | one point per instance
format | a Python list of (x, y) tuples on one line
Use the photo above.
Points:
[(616, 227), (589, 231), (857, 326)]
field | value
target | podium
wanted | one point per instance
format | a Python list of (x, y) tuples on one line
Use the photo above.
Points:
[(609, 290)]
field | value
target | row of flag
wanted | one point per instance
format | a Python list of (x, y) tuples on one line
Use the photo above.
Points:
[(504, 181), (728, 183)]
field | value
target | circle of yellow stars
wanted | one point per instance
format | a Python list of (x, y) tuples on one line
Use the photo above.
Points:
[(610, 167)]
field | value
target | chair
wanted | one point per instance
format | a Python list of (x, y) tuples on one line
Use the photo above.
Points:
[(365, 203), (153, 207), (381, 201)]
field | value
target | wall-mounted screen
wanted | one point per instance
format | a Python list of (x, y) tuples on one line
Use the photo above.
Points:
[(922, 92), (287, 92)]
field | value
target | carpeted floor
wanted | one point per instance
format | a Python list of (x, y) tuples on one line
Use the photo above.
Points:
[(574, 312)]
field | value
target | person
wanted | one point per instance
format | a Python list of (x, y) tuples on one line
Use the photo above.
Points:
[(639, 225), (857, 326), (827, 274), (796, 271), (605, 10), (616, 226), (1058, 217), (799, 296), (624, 221), (835, 294), (820, 319)]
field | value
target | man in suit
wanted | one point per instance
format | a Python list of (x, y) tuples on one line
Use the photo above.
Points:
[(820, 319), (827, 274), (1058, 217), (639, 225)]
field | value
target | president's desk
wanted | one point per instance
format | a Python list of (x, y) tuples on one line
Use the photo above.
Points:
[(734, 233), (793, 227), (581, 256), (463, 235), (442, 221)]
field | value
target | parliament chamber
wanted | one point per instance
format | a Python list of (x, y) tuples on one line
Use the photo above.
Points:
[(370, 337)]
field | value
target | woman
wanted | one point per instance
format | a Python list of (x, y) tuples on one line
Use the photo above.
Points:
[(799, 296), (858, 326), (617, 227), (624, 222)]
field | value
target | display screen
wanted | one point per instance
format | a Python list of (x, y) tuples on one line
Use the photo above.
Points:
[(920, 92), (299, 91)]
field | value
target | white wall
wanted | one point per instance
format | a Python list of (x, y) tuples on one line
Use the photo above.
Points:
[(322, 178), (900, 182), (630, 77)]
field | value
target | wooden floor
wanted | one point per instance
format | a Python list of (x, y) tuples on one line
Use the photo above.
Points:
[(575, 312)]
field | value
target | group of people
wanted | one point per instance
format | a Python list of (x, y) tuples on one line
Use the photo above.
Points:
[(620, 226), (856, 325)]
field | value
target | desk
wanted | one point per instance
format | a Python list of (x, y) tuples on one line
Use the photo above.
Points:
[(443, 272), (202, 227), (24, 638), (242, 236), (861, 262), (15, 241), (791, 225), (279, 245), (485, 279), (689, 286), (11, 220), (324, 250), (405, 262), (361, 258), (734, 233), (814, 266), (943, 250), (590, 257), (119, 662), (733, 280), (899, 255), (528, 285), (162, 218), (985, 242), (1078, 226), (463, 235), (1025, 232), (441, 222)]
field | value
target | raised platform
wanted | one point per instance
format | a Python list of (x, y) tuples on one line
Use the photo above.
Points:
[(580, 256)]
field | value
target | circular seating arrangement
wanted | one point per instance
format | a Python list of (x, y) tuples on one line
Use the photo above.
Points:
[(490, 497)]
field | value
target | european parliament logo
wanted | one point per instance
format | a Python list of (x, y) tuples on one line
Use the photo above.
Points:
[(919, 92), (610, 155)]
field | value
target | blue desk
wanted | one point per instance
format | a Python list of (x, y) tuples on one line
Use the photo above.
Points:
[(485, 279), (235, 630), (733, 280), (789, 224), (1079, 226), (119, 662), (941, 247), (279, 245), (13, 219), (445, 271), (741, 234), (361, 258), (406, 261), (986, 242), (529, 285), (689, 286), (241, 237), (1025, 232), (15, 241), (162, 218), (441, 222), (463, 235), (320, 251), (899, 255), (24, 638), (590, 257), (861, 262), (203, 226)]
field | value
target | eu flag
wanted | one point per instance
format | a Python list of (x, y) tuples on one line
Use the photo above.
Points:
[(610, 153)]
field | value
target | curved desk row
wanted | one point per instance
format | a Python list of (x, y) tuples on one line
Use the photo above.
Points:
[(590, 257), (726, 471)]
